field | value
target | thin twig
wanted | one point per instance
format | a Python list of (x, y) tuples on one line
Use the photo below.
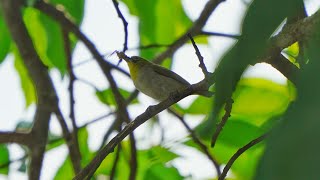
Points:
[(238, 154), (74, 151), (194, 137), (74, 138), (133, 157), (200, 57), (207, 33), (125, 25), (224, 119)]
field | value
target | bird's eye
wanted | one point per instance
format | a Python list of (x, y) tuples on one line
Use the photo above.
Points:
[(135, 59)]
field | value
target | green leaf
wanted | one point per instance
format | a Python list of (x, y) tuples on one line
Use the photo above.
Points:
[(47, 34), (258, 99), (25, 80), (161, 172), (106, 96), (73, 8), (65, 171), (160, 22), (55, 43), (201, 105), (161, 154), (4, 159), (261, 20), (292, 151), (5, 39)]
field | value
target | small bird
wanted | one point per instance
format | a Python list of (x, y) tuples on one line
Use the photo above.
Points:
[(153, 80)]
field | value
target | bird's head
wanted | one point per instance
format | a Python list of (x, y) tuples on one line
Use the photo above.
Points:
[(135, 63)]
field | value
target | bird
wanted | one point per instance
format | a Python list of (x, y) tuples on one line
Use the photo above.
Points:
[(154, 80)]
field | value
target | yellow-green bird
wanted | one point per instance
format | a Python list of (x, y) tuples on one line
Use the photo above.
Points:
[(153, 80)]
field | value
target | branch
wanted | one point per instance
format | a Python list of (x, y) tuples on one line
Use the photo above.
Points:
[(14, 137), (194, 30), (238, 154), (74, 147), (225, 117), (60, 18), (293, 32), (46, 95), (142, 118), (106, 67), (207, 33), (201, 64), (194, 137), (125, 24)]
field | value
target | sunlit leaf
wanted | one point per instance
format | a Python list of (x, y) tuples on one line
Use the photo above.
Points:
[(25, 80), (4, 159), (5, 40), (161, 172)]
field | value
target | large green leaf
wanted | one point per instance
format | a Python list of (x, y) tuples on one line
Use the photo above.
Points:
[(25, 80), (261, 20), (47, 34), (160, 22), (292, 152), (4, 159), (161, 172), (5, 39), (74, 8)]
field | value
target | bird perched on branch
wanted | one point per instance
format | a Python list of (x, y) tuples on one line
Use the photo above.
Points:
[(154, 80)]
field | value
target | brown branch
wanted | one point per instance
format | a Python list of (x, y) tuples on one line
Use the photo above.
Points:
[(46, 95), (106, 67), (194, 137), (76, 159), (125, 25), (194, 30), (150, 112), (238, 154), (293, 32), (133, 157), (14, 137), (73, 148), (224, 119), (200, 57), (66, 23)]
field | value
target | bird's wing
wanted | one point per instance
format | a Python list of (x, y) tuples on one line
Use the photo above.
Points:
[(169, 74)]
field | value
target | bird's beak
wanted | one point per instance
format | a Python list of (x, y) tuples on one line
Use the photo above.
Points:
[(123, 56)]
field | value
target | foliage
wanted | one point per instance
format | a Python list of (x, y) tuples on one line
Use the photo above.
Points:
[(288, 111)]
